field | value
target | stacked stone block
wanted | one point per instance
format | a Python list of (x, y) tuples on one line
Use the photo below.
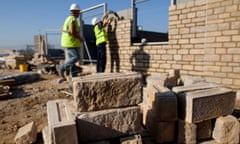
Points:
[(186, 113), (161, 114), (106, 105), (199, 105)]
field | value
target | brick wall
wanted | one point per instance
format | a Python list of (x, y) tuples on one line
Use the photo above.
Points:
[(204, 40)]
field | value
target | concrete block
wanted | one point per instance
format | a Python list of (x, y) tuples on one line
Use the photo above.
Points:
[(61, 122), (109, 92), (106, 124), (194, 87), (135, 139), (206, 104), (226, 130), (187, 132), (164, 103), (26, 134)]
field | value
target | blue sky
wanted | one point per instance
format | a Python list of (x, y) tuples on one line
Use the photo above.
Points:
[(22, 19)]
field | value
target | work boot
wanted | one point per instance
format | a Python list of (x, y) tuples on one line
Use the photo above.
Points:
[(59, 71)]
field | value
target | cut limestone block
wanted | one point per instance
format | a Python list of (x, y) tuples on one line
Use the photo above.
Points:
[(106, 124), (46, 135), (204, 130), (190, 80), (164, 103), (165, 132), (162, 132), (206, 104), (226, 130), (187, 133), (108, 92), (135, 139), (61, 122), (193, 87), (156, 79), (26, 134)]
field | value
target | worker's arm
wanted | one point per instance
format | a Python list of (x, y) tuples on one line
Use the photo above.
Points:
[(74, 32)]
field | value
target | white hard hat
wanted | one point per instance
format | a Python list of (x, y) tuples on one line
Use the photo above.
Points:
[(95, 21), (74, 6)]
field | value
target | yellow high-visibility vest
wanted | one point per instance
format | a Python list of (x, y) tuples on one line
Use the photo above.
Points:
[(100, 34), (68, 40)]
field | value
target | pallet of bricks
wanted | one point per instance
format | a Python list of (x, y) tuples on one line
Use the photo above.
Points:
[(104, 109), (193, 111)]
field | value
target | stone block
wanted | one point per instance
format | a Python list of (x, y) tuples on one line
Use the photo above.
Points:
[(165, 132), (204, 130), (26, 134), (206, 104), (164, 103), (190, 80), (61, 122), (226, 130), (193, 87), (104, 92), (187, 133), (106, 124)]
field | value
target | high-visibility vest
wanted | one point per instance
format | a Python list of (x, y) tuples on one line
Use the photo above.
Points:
[(100, 34), (68, 40)]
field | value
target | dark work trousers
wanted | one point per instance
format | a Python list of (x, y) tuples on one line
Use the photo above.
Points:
[(101, 57)]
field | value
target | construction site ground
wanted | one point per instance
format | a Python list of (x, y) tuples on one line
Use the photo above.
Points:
[(28, 103)]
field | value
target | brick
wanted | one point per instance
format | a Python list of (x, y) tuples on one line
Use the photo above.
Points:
[(200, 105), (106, 124)]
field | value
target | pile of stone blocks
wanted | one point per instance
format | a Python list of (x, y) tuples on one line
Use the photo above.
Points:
[(104, 106), (191, 113)]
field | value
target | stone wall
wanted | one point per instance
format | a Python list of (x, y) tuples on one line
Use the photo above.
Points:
[(204, 40)]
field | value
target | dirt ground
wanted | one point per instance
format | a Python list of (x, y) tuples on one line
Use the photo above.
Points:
[(28, 103)]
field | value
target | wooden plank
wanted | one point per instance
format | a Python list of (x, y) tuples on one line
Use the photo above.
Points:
[(7, 82)]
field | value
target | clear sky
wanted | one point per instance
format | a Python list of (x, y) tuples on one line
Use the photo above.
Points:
[(22, 19)]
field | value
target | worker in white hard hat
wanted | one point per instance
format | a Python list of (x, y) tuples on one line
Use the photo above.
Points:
[(70, 41), (101, 40)]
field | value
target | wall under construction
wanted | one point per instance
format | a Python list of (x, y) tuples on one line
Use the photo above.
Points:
[(204, 40)]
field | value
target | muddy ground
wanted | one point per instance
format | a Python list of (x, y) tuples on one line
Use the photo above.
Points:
[(28, 103)]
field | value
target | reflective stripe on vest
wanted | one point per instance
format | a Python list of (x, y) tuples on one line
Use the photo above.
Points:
[(100, 34), (67, 40)]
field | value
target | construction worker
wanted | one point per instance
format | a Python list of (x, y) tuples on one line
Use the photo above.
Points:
[(101, 40), (71, 41)]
